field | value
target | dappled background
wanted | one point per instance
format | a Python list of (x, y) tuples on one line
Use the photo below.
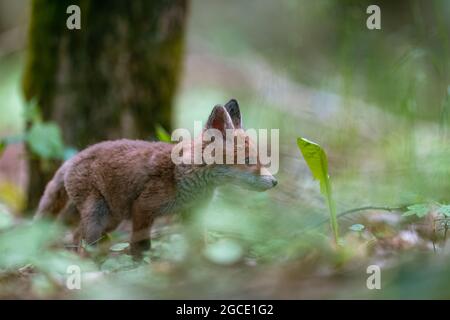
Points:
[(377, 101)]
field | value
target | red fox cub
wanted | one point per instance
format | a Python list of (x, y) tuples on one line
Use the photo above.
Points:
[(130, 179)]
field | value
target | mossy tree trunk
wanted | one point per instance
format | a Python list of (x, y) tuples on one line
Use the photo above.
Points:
[(116, 77)]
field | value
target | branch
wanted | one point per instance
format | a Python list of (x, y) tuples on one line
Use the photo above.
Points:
[(344, 213), (390, 209)]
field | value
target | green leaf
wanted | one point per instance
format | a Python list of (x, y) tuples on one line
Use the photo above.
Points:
[(317, 162), (119, 246), (420, 210), (45, 140), (2, 146), (162, 134), (224, 252), (357, 227), (444, 210), (69, 153)]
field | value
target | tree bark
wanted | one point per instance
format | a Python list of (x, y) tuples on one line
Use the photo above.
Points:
[(116, 77)]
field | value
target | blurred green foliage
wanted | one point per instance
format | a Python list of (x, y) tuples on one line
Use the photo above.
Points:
[(420, 210)]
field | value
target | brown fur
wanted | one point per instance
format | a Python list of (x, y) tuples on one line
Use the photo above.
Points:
[(137, 180)]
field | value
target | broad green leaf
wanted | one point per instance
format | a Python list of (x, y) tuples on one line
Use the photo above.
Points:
[(420, 210), (444, 210), (224, 252), (357, 227), (162, 134), (45, 140), (119, 246), (317, 162)]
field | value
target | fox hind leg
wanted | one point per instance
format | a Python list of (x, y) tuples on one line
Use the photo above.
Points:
[(70, 215), (96, 219)]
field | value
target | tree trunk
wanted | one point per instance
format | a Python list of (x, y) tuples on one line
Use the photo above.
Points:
[(115, 77)]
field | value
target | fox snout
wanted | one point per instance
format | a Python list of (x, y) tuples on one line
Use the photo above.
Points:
[(266, 182), (274, 182), (268, 177)]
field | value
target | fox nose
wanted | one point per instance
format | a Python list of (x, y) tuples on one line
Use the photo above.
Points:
[(274, 182)]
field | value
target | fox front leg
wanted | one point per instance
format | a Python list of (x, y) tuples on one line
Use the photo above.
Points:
[(140, 236)]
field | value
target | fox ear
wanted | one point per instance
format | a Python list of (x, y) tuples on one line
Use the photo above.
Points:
[(233, 110), (219, 119)]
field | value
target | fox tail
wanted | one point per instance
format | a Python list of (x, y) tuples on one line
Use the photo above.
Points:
[(55, 196)]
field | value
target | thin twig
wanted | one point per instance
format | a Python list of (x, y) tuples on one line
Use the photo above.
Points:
[(390, 209), (344, 213)]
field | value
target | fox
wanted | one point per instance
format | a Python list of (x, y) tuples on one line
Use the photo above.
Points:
[(137, 180)]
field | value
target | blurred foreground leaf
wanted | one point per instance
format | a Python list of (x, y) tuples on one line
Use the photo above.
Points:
[(316, 159), (57, 261), (45, 140), (41, 286), (26, 243), (224, 252), (69, 153), (119, 262)]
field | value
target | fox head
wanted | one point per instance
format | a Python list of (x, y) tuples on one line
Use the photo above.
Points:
[(240, 163)]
